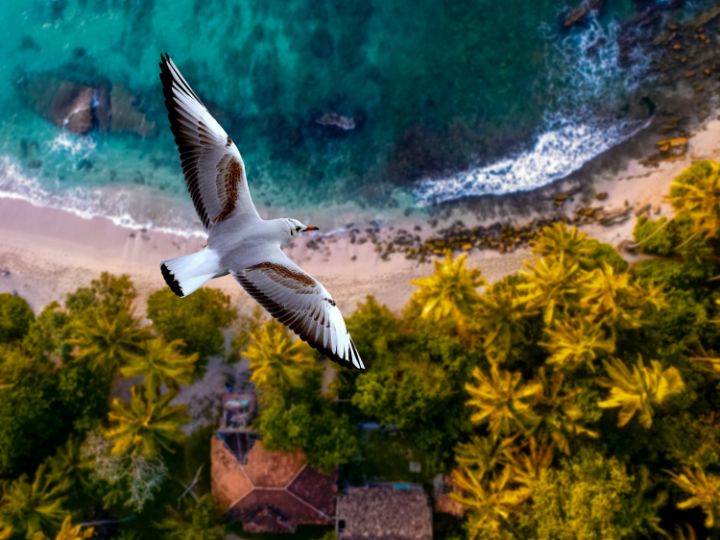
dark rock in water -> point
(322, 44)
(82, 108)
(34, 164)
(57, 9)
(335, 120)
(578, 14)
(27, 43)
(64, 103)
(77, 114)
(125, 115)
(78, 53)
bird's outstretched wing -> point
(302, 304)
(213, 168)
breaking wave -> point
(573, 133)
(123, 206)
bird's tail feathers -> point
(188, 273)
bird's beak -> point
(310, 228)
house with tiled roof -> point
(267, 491)
(394, 511)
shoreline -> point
(46, 253)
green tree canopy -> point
(198, 520)
(31, 411)
(16, 316)
(31, 507)
(198, 320)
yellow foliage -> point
(499, 315)
(450, 292)
(574, 342)
(276, 359)
(704, 491)
(550, 282)
(637, 390)
(487, 502)
(561, 417)
(559, 238)
(147, 425)
(696, 193)
(609, 296)
(503, 401)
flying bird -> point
(240, 242)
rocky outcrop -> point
(125, 115)
(82, 108)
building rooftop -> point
(270, 491)
(386, 512)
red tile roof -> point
(272, 491)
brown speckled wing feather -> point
(302, 304)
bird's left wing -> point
(213, 168)
(301, 303)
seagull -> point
(240, 242)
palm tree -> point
(696, 193)
(503, 401)
(575, 342)
(68, 531)
(488, 502)
(107, 339)
(529, 463)
(550, 283)
(29, 508)
(559, 238)
(637, 390)
(147, 425)
(499, 317)
(276, 360)
(450, 292)
(162, 361)
(561, 415)
(704, 491)
(198, 521)
(610, 297)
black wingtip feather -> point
(276, 311)
(171, 281)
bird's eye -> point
(297, 229)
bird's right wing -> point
(301, 303)
(212, 165)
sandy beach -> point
(46, 253)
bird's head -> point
(296, 227)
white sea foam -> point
(555, 154)
(65, 142)
(571, 135)
(122, 206)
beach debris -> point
(335, 120)
(603, 195)
(561, 197)
(678, 145)
(643, 210)
(578, 14)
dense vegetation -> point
(576, 399)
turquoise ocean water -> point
(446, 99)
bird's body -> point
(240, 242)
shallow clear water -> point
(485, 96)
